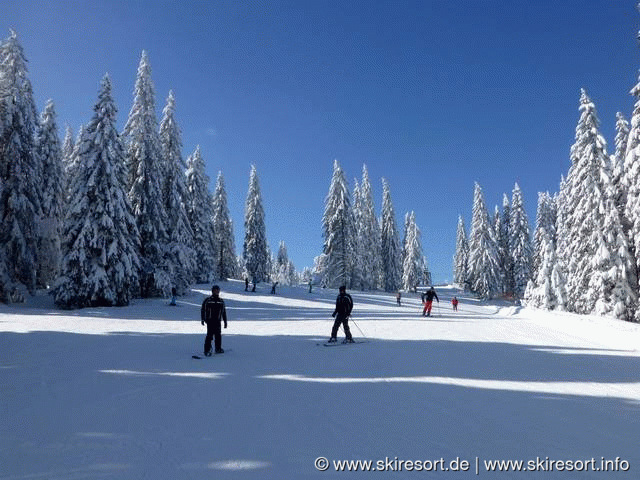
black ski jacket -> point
(344, 305)
(428, 296)
(213, 310)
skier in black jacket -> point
(344, 305)
(427, 299)
(212, 313)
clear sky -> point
(432, 95)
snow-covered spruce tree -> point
(368, 233)
(284, 271)
(180, 251)
(338, 223)
(413, 263)
(225, 265)
(483, 252)
(520, 243)
(144, 163)
(631, 185)
(617, 161)
(100, 239)
(51, 196)
(72, 160)
(545, 225)
(592, 246)
(255, 251)
(200, 213)
(391, 250)
(461, 257)
(497, 229)
(20, 169)
(540, 292)
(505, 259)
(357, 272)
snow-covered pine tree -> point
(483, 252)
(612, 284)
(144, 163)
(617, 161)
(461, 257)
(505, 259)
(582, 199)
(368, 233)
(498, 229)
(359, 242)
(100, 240)
(413, 265)
(225, 265)
(284, 271)
(51, 196)
(540, 292)
(631, 185)
(520, 243)
(339, 232)
(200, 213)
(391, 251)
(20, 169)
(72, 160)
(67, 146)
(180, 251)
(255, 251)
(545, 225)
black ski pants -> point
(213, 330)
(344, 321)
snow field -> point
(114, 393)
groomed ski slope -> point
(113, 393)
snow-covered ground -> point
(114, 393)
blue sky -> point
(432, 95)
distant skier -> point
(246, 284)
(310, 285)
(273, 288)
(427, 299)
(344, 305)
(454, 302)
(173, 297)
(212, 313)
(398, 298)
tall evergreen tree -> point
(180, 251)
(359, 242)
(225, 265)
(100, 241)
(20, 168)
(255, 251)
(631, 185)
(144, 162)
(369, 236)
(483, 252)
(391, 250)
(617, 161)
(51, 195)
(505, 259)
(461, 257)
(338, 225)
(545, 225)
(413, 265)
(200, 214)
(582, 197)
(520, 243)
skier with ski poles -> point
(212, 313)
(344, 305)
(427, 299)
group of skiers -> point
(213, 313)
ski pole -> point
(354, 322)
